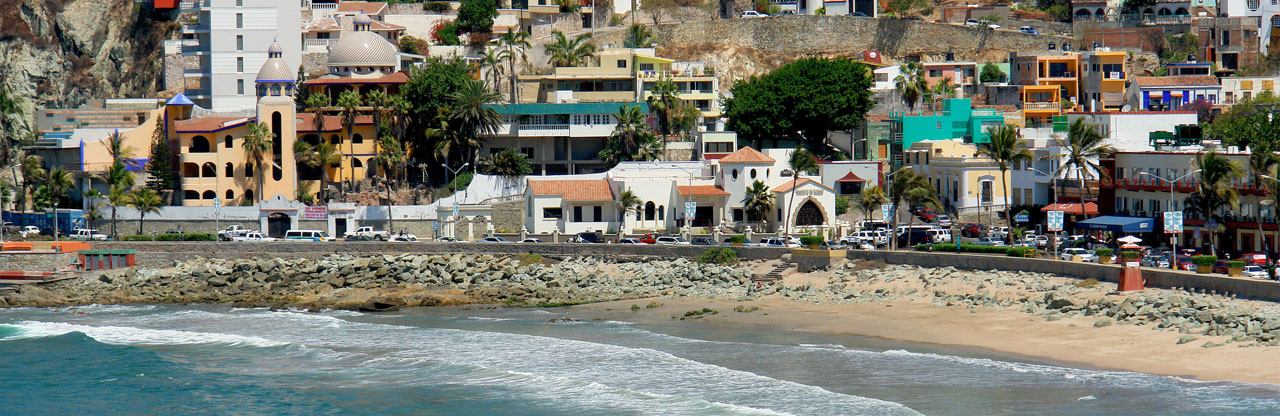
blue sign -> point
(1022, 218)
(1054, 221)
(886, 211)
(690, 209)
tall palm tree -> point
(639, 36)
(117, 195)
(304, 155)
(509, 164)
(399, 108)
(1080, 152)
(872, 198)
(91, 215)
(911, 83)
(473, 117)
(325, 157)
(490, 63)
(1262, 161)
(923, 195)
(1215, 191)
(663, 100)
(627, 202)
(315, 104)
(800, 161)
(390, 157)
(145, 201)
(631, 138)
(1005, 148)
(565, 52)
(378, 100)
(31, 173)
(514, 45)
(904, 180)
(758, 200)
(58, 181)
(941, 89)
(257, 147)
(349, 102)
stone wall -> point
(35, 262)
(508, 216)
(183, 250)
(405, 8)
(315, 64)
(563, 22)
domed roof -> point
(362, 49)
(275, 48)
(275, 70)
(361, 18)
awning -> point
(1073, 208)
(1118, 224)
(850, 177)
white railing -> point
(544, 127)
(318, 44)
(1041, 106)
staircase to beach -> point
(776, 273)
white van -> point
(306, 235)
(939, 235)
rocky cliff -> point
(60, 53)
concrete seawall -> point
(1223, 284)
(234, 250)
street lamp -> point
(454, 173)
(1173, 238)
(893, 225)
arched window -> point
(277, 145)
(248, 196)
(649, 207)
(662, 212)
(248, 170)
(766, 173)
(209, 195)
(230, 195)
(357, 139)
(334, 139)
(638, 215)
(276, 173)
(355, 163)
(226, 141)
(190, 170)
(311, 139)
(190, 195)
(208, 170)
(735, 174)
(229, 171)
(199, 144)
(275, 90)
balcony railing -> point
(1062, 74)
(666, 73)
(1184, 186)
(1042, 106)
(318, 44)
(544, 127)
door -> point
(278, 224)
(339, 227)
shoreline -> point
(1002, 333)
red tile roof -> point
(366, 7)
(851, 178)
(747, 155)
(701, 190)
(394, 78)
(1073, 208)
(574, 189)
(331, 123)
(377, 26)
(786, 187)
(1177, 80)
(208, 124)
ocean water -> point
(153, 360)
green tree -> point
(476, 16)
(902, 182)
(390, 158)
(257, 147)
(31, 174)
(509, 164)
(991, 73)
(119, 178)
(146, 202)
(1215, 192)
(515, 46)
(428, 97)
(473, 117)
(941, 89)
(758, 201)
(410, 44)
(326, 157)
(628, 203)
(911, 83)
(91, 215)
(117, 196)
(564, 52)
(1263, 160)
(871, 199)
(315, 104)
(663, 100)
(801, 100)
(490, 64)
(1079, 153)
(631, 138)
(349, 102)
(304, 155)
(639, 36)
(58, 181)
(378, 100)
(1005, 148)
(801, 160)
(162, 167)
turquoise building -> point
(957, 120)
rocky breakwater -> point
(388, 281)
(1209, 319)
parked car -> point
(1255, 271)
(1086, 256)
(671, 241)
(702, 241)
(1184, 263)
(630, 241)
(1029, 30)
(531, 241)
(878, 238)
(858, 243)
(351, 238)
(944, 220)
(752, 14)
(492, 240)
(872, 225)
(926, 215)
(589, 238)
(252, 237)
(650, 238)
(972, 23)
(941, 235)
(1257, 259)
(780, 242)
(306, 235)
(1154, 261)
(446, 240)
(366, 231)
(972, 230)
(989, 241)
(87, 234)
(232, 231)
(403, 238)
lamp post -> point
(893, 225)
(454, 174)
(1260, 203)
(1173, 238)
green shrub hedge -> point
(1019, 251)
(1103, 252)
(137, 238)
(1131, 255)
(737, 238)
(718, 255)
(810, 240)
(974, 248)
(436, 6)
(1235, 264)
(1204, 260)
(186, 237)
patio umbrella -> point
(1130, 246)
(1129, 239)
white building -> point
(558, 138)
(1267, 12)
(230, 38)
(1131, 131)
(1244, 88)
(850, 177)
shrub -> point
(437, 7)
(1103, 252)
(527, 259)
(635, 307)
(1235, 264)
(1204, 260)
(1087, 283)
(137, 238)
(1130, 255)
(738, 238)
(811, 240)
(922, 247)
(186, 237)
(653, 304)
(974, 248)
(950, 247)
(718, 255)
(1018, 251)
(744, 309)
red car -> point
(650, 238)
(972, 230)
(1184, 263)
(1256, 259)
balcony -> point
(200, 158)
(318, 45)
(542, 130)
(1041, 106)
(666, 73)
(1062, 74)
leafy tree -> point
(631, 138)
(476, 16)
(31, 173)
(508, 164)
(162, 167)
(304, 155)
(902, 182)
(391, 158)
(472, 117)
(911, 83)
(1263, 160)
(872, 198)
(145, 201)
(1215, 192)
(410, 44)
(1080, 151)
(349, 103)
(991, 73)
(800, 161)
(1204, 110)
(428, 99)
(628, 203)
(1180, 47)
(445, 33)
(257, 147)
(663, 100)
(942, 89)
(1006, 149)
(117, 196)
(563, 52)
(804, 99)
(758, 201)
(57, 182)
(490, 63)
(842, 205)
(639, 36)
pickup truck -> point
(231, 232)
(366, 231)
(252, 236)
(87, 234)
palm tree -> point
(349, 102)
(800, 161)
(904, 180)
(315, 104)
(564, 52)
(325, 157)
(509, 164)
(628, 202)
(58, 181)
(639, 36)
(631, 125)
(257, 146)
(1080, 152)
(117, 195)
(304, 154)
(663, 100)
(390, 157)
(378, 100)
(473, 117)
(1005, 148)
(923, 195)
(942, 89)
(31, 172)
(758, 201)
(911, 83)
(491, 67)
(1262, 161)
(1215, 191)
(145, 201)
(92, 216)
(514, 44)
(872, 198)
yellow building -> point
(966, 184)
(1103, 81)
(1040, 103)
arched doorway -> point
(809, 214)
(277, 224)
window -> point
(357, 139)
(753, 174)
(646, 67)
(577, 214)
(239, 64)
(248, 170)
(239, 20)
(230, 195)
(238, 4)
(355, 163)
(987, 197)
(229, 171)
(239, 42)
(662, 209)
(597, 213)
(735, 174)
(934, 73)
(226, 141)
(1226, 38)
(622, 63)
(239, 86)
(553, 213)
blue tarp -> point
(1118, 224)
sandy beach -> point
(1070, 341)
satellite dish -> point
(1126, 108)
